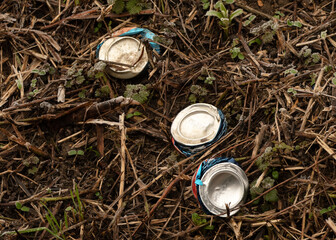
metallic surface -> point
(196, 124)
(125, 50)
(224, 184)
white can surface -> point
(197, 124)
(225, 186)
(127, 55)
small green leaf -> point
(334, 81)
(129, 115)
(241, 56)
(297, 24)
(137, 113)
(18, 205)
(80, 152)
(324, 34)
(291, 71)
(137, 92)
(25, 209)
(42, 72)
(99, 75)
(18, 84)
(229, 1)
(329, 209)
(280, 13)
(328, 68)
(33, 82)
(52, 70)
(192, 98)
(82, 94)
(133, 7)
(32, 170)
(315, 57)
(275, 175)
(222, 8)
(209, 227)
(214, 14)
(267, 183)
(80, 79)
(257, 41)
(68, 209)
(236, 14)
(119, 6)
(197, 220)
(272, 196)
(97, 93)
(206, 5)
(72, 152)
(105, 89)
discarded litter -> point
(197, 127)
(126, 56)
(220, 186)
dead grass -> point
(131, 181)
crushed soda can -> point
(127, 55)
(197, 127)
(220, 186)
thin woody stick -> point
(123, 158)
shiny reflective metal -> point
(127, 55)
(196, 124)
(224, 184)
(197, 127)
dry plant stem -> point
(32, 198)
(289, 179)
(171, 215)
(250, 54)
(25, 144)
(311, 101)
(258, 140)
(252, 10)
(122, 172)
(331, 224)
(319, 28)
(236, 228)
(89, 110)
(179, 177)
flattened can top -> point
(124, 50)
(219, 184)
(197, 124)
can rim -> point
(110, 43)
(194, 108)
(229, 168)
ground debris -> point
(79, 159)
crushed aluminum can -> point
(220, 186)
(128, 56)
(197, 127)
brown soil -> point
(80, 161)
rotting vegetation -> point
(80, 160)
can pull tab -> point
(198, 180)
